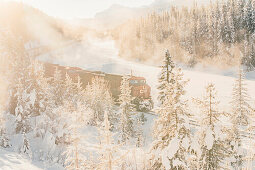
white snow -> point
(195, 146)
(173, 147)
(169, 152)
(165, 160)
(14, 161)
(177, 163)
(185, 143)
(209, 139)
(33, 97)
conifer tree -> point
(69, 88)
(241, 117)
(108, 151)
(250, 139)
(25, 147)
(240, 101)
(250, 61)
(139, 131)
(22, 122)
(213, 150)
(57, 88)
(4, 138)
(171, 146)
(165, 76)
(33, 110)
(126, 108)
(99, 98)
(75, 150)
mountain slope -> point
(118, 14)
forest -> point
(46, 119)
(194, 35)
(57, 122)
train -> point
(140, 90)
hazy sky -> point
(79, 8)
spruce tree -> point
(139, 131)
(57, 88)
(4, 138)
(250, 148)
(241, 117)
(109, 152)
(126, 108)
(166, 76)
(213, 149)
(25, 147)
(240, 101)
(33, 111)
(171, 147)
(75, 149)
(99, 99)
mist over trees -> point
(197, 34)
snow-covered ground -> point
(13, 161)
(103, 56)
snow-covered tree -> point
(250, 144)
(31, 96)
(241, 118)
(170, 149)
(14, 64)
(4, 139)
(126, 108)
(213, 149)
(68, 115)
(69, 87)
(99, 98)
(240, 101)
(166, 76)
(25, 147)
(75, 149)
(22, 118)
(57, 88)
(32, 112)
(108, 151)
(139, 130)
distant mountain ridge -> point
(113, 16)
(118, 14)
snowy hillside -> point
(97, 55)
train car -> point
(140, 90)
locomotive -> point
(140, 90)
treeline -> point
(197, 34)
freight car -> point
(140, 90)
